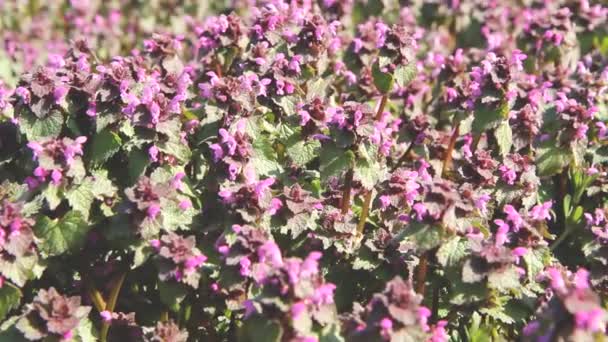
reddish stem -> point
(348, 184)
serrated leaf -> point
(488, 116)
(177, 149)
(452, 252)
(504, 280)
(303, 152)
(105, 144)
(382, 80)
(551, 160)
(22, 269)
(61, 235)
(10, 297)
(504, 138)
(334, 161)
(39, 128)
(257, 329)
(264, 158)
(81, 197)
(317, 88)
(405, 74)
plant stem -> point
(421, 274)
(96, 298)
(367, 200)
(112, 304)
(447, 158)
(383, 101)
(348, 184)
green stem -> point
(560, 239)
(367, 200)
(112, 304)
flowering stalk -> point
(447, 158)
(367, 199)
(112, 304)
(348, 184)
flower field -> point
(303, 170)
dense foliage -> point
(327, 170)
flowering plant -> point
(273, 170)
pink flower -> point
(592, 320)
(176, 182)
(56, 177)
(245, 264)
(153, 153)
(153, 211)
(297, 309)
(581, 279)
(155, 243)
(540, 212)
(481, 203)
(185, 204)
(507, 174)
(557, 281)
(423, 317)
(420, 210)
(514, 217)
(106, 316)
(275, 205)
(270, 252)
(194, 262)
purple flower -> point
(153, 211)
(270, 252)
(513, 216)
(245, 264)
(275, 205)
(56, 177)
(420, 210)
(297, 309)
(481, 203)
(540, 212)
(507, 174)
(106, 316)
(153, 153)
(324, 294)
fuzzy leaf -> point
(10, 297)
(504, 138)
(105, 144)
(61, 235)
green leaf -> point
(504, 280)
(138, 161)
(61, 235)
(22, 269)
(504, 137)
(172, 294)
(452, 252)
(489, 115)
(105, 144)
(177, 149)
(551, 160)
(36, 129)
(81, 197)
(303, 152)
(382, 80)
(334, 161)
(10, 297)
(404, 74)
(264, 158)
(317, 88)
(258, 329)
